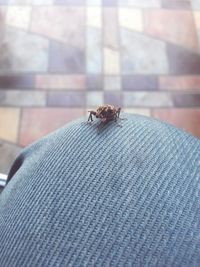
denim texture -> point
(126, 196)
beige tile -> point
(110, 29)
(197, 18)
(111, 61)
(9, 121)
(144, 112)
(94, 17)
(18, 17)
(131, 18)
(60, 81)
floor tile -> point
(66, 24)
(111, 61)
(158, 24)
(20, 98)
(66, 59)
(66, 99)
(4, 2)
(187, 119)
(60, 82)
(109, 2)
(195, 4)
(31, 2)
(19, 16)
(112, 83)
(139, 82)
(23, 52)
(131, 19)
(94, 2)
(137, 59)
(17, 82)
(179, 82)
(113, 98)
(94, 82)
(94, 17)
(94, 99)
(50, 119)
(197, 19)
(138, 111)
(94, 50)
(182, 61)
(186, 100)
(69, 2)
(10, 153)
(110, 29)
(176, 4)
(144, 99)
(141, 3)
(9, 123)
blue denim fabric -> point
(126, 196)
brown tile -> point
(60, 81)
(66, 59)
(9, 152)
(187, 119)
(176, 4)
(166, 25)
(38, 122)
(182, 61)
(9, 122)
(66, 99)
(179, 82)
(139, 82)
(17, 82)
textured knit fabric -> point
(123, 196)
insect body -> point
(105, 113)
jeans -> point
(109, 196)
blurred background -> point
(60, 58)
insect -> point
(105, 113)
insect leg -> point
(90, 117)
(118, 112)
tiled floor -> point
(59, 58)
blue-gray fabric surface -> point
(126, 196)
